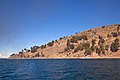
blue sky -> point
(25, 23)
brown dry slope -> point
(103, 42)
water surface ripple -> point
(59, 69)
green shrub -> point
(103, 27)
(21, 52)
(28, 50)
(93, 42)
(101, 46)
(93, 48)
(33, 49)
(85, 45)
(71, 46)
(60, 38)
(68, 42)
(73, 39)
(37, 55)
(12, 54)
(79, 37)
(96, 47)
(100, 37)
(115, 45)
(25, 49)
(101, 41)
(107, 47)
(116, 40)
(115, 34)
(87, 51)
(80, 47)
(84, 37)
(89, 30)
(76, 32)
(50, 44)
(103, 51)
(98, 50)
(77, 49)
(56, 41)
(42, 55)
(43, 46)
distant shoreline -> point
(70, 58)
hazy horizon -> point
(26, 23)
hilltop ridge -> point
(97, 42)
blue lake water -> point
(59, 69)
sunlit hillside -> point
(96, 42)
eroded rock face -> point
(96, 42)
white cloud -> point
(1, 56)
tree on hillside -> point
(37, 55)
(98, 50)
(114, 46)
(114, 34)
(56, 41)
(85, 45)
(73, 39)
(77, 49)
(43, 46)
(93, 48)
(22, 50)
(103, 27)
(12, 54)
(103, 51)
(50, 44)
(107, 47)
(101, 41)
(69, 46)
(33, 49)
(25, 49)
(100, 37)
(87, 51)
(84, 37)
(93, 42)
(28, 50)
(68, 42)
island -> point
(101, 42)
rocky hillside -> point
(97, 42)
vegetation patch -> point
(114, 46)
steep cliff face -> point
(97, 42)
